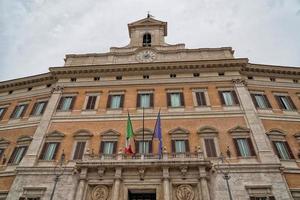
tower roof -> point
(147, 22)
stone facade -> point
(218, 117)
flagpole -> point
(143, 151)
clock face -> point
(146, 56)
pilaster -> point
(117, 182)
(32, 154)
(166, 183)
(263, 146)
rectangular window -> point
(2, 112)
(228, 98)
(17, 155)
(283, 150)
(145, 100)
(200, 96)
(19, 111)
(49, 151)
(79, 150)
(244, 147)
(180, 146)
(39, 108)
(91, 102)
(285, 102)
(260, 101)
(210, 147)
(66, 103)
(108, 147)
(115, 101)
(144, 147)
(175, 99)
(1, 152)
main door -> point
(141, 195)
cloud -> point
(36, 34)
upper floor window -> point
(143, 147)
(209, 138)
(91, 102)
(200, 98)
(179, 140)
(175, 99)
(145, 100)
(2, 112)
(108, 147)
(147, 40)
(228, 98)
(180, 146)
(285, 102)
(19, 111)
(66, 103)
(261, 101)
(79, 150)
(39, 108)
(49, 151)
(109, 143)
(17, 155)
(115, 101)
(81, 138)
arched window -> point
(147, 40)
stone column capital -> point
(57, 89)
(239, 82)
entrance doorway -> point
(141, 195)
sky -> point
(36, 34)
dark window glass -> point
(147, 40)
(49, 151)
(285, 102)
(91, 102)
(201, 101)
(2, 112)
(115, 101)
(17, 155)
(66, 103)
(19, 111)
(282, 149)
(39, 108)
(79, 150)
(260, 101)
(228, 98)
(210, 147)
(108, 147)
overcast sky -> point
(36, 34)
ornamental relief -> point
(100, 192)
(185, 192)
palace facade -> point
(229, 127)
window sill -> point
(14, 120)
(290, 112)
(63, 112)
(289, 163)
(264, 110)
(146, 110)
(46, 162)
(35, 117)
(233, 107)
(176, 109)
(202, 108)
(89, 112)
(114, 110)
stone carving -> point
(57, 89)
(183, 170)
(101, 171)
(142, 173)
(100, 192)
(185, 192)
(239, 82)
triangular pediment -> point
(4, 141)
(179, 130)
(297, 135)
(110, 132)
(239, 129)
(82, 133)
(24, 138)
(147, 22)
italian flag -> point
(129, 149)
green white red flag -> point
(130, 144)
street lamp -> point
(59, 170)
(225, 173)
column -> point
(166, 183)
(81, 184)
(117, 182)
(32, 153)
(265, 153)
(203, 184)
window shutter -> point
(60, 103)
(81, 152)
(137, 146)
(250, 144)
(281, 106)
(101, 147)
(267, 101)
(44, 108)
(289, 150)
(221, 98)
(94, 102)
(72, 103)
(151, 100)
(210, 147)
(254, 100)
(291, 103)
(202, 95)
(115, 147)
(150, 146)
(238, 153)
(55, 151)
(187, 146)
(275, 149)
(24, 152)
(3, 113)
(33, 109)
(43, 151)
(271, 198)
(173, 146)
(89, 103)
(169, 99)
(181, 99)
(13, 155)
(138, 100)
(235, 98)
(24, 110)
(122, 101)
(200, 99)
(108, 101)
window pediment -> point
(276, 134)
(207, 130)
(4, 142)
(82, 134)
(239, 129)
(110, 135)
(25, 139)
(55, 135)
(148, 134)
(179, 133)
(297, 136)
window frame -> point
(181, 98)
(21, 115)
(266, 101)
(151, 98)
(179, 134)
(281, 104)
(110, 97)
(207, 132)
(149, 42)
(45, 149)
(96, 101)
(61, 102)
(33, 110)
(4, 108)
(233, 96)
